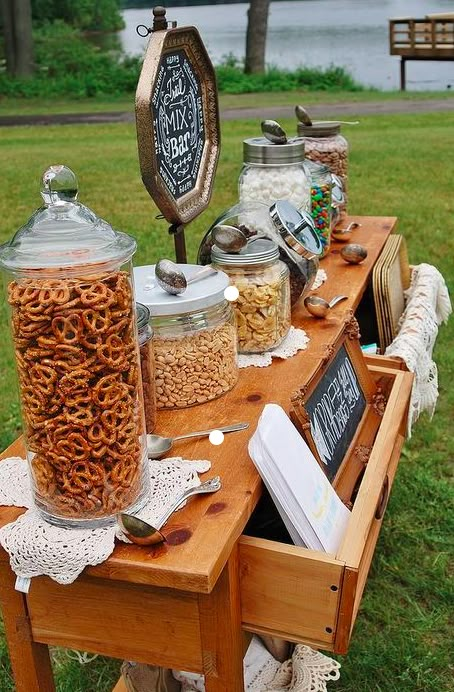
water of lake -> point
(351, 33)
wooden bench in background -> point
(431, 38)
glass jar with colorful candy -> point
(321, 184)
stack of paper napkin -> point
(314, 515)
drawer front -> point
(289, 592)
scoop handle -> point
(201, 274)
(210, 486)
(227, 428)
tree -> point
(17, 32)
(256, 36)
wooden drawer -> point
(312, 597)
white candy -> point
(269, 183)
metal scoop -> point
(304, 117)
(141, 532)
(319, 307)
(171, 279)
(158, 445)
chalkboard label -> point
(179, 130)
(335, 409)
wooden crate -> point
(311, 597)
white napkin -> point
(310, 508)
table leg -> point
(30, 661)
(221, 635)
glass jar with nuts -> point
(262, 308)
(324, 144)
(194, 338)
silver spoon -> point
(141, 532)
(319, 307)
(273, 132)
(303, 116)
(229, 238)
(158, 446)
(172, 280)
(344, 234)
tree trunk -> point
(256, 36)
(17, 32)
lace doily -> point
(320, 278)
(427, 306)
(296, 340)
(306, 671)
(37, 548)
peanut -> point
(195, 368)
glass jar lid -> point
(199, 295)
(257, 251)
(296, 228)
(260, 151)
(319, 128)
(64, 235)
(143, 316)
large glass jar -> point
(68, 275)
(194, 338)
(292, 230)
(262, 308)
(274, 171)
(321, 185)
(324, 144)
(147, 366)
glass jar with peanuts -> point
(70, 293)
(194, 338)
(262, 308)
(147, 366)
(325, 144)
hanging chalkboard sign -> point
(177, 117)
(332, 406)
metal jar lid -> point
(260, 151)
(198, 295)
(319, 128)
(260, 251)
(296, 228)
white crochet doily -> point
(296, 340)
(38, 548)
(427, 306)
(306, 671)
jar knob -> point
(59, 184)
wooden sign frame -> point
(349, 341)
(164, 42)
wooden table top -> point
(202, 535)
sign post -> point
(177, 119)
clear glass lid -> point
(64, 234)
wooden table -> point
(178, 605)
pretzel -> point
(78, 372)
(67, 329)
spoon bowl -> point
(273, 132)
(319, 307)
(229, 238)
(344, 234)
(353, 253)
(142, 533)
(158, 445)
(172, 280)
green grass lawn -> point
(400, 165)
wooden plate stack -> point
(390, 278)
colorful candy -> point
(321, 213)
